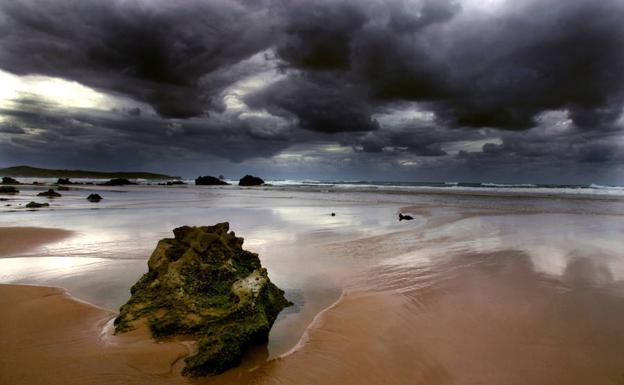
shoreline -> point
(471, 292)
(101, 327)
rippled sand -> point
(481, 290)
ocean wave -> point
(458, 187)
(528, 185)
(603, 187)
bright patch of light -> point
(315, 153)
(483, 5)
(234, 95)
(335, 148)
(55, 92)
(554, 121)
(453, 148)
(409, 163)
(398, 117)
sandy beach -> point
(474, 291)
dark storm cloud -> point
(498, 71)
(337, 65)
(11, 128)
(564, 150)
(153, 51)
(110, 135)
(320, 103)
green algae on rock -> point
(202, 284)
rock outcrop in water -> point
(49, 194)
(210, 181)
(8, 190)
(117, 182)
(204, 285)
(250, 180)
(9, 180)
(35, 205)
(94, 198)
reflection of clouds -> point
(554, 242)
(548, 259)
(19, 269)
(128, 225)
(108, 252)
(585, 271)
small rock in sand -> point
(35, 205)
(94, 198)
(49, 194)
(8, 190)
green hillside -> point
(35, 172)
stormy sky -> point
(424, 90)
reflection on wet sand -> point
(484, 292)
(19, 240)
(486, 319)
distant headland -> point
(36, 172)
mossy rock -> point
(202, 284)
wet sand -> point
(477, 295)
(50, 338)
(493, 320)
(19, 240)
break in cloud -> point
(396, 89)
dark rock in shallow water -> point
(250, 180)
(203, 284)
(8, 190)
(9, 180)
(94, 198)
(50, 194)
(117, 182)
(405, 217)
(64, 181)
(210, 181)
(35, 205)
(63, 188)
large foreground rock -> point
(202, 284)
(210, 181)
